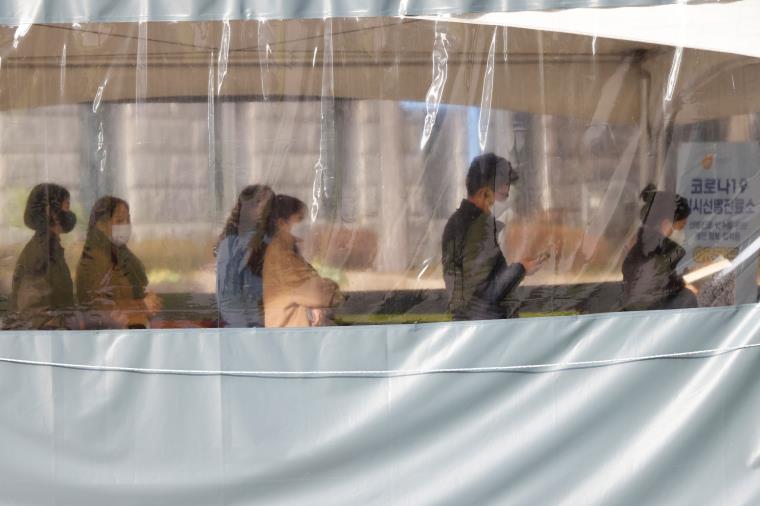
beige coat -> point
(292, 285)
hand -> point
(532, 265)
(320, 317)
(152, 303)
(117, 319)
(338, 299)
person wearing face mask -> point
(650, 278)
(42, 293)
(477, 276)
(295, 295)
(240, 258)
(111, 281)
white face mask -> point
(120, 234)
(299, 230)
(500, 209)
(678, 236)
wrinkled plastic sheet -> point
(643, 408)
(372, 122)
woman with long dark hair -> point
(111, 281)
(650, 279)
(295, 295)
(42, 292)
(240, 258)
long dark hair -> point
(103, 209)
(284, 207)
(44, 204)
(251, 198)
(662, 205)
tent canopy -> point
(702, 26)
(374, 58)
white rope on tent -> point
(392, 373)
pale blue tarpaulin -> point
(14, 12)
(638, 408)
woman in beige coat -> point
(295, 295)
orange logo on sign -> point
(707, 161)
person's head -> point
(110, 215)
(489, 179)
(48, 209)
(663, 210)
(251, 210)
(253, 206)
(287, 213)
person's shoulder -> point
(226, 240)
(674, 251)
(482, 223)
(240, 240)
(92, 253)
(275, 250)
(37, 243)
(461, 216)
(34, 254)
(669, 245)
(278, 241)
(32, 247)
(455, 227)
(452, 221)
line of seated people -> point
(263, 280)
(258, 265)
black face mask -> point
(67, 220)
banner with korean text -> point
(721, 180)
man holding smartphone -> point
(477, 276)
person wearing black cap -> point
(477, 275)
(42, 292)
(650, 278)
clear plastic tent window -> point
(500, 257)
(372, 124)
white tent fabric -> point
(729, 27)
(550, 63)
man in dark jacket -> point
(476, 274)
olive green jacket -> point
(42, 293)
(109, 278)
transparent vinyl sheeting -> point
(303, 172)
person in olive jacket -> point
(111, 281)
(650, 278)
(42, 292)
(476, 274)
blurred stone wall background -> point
(378, 198)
